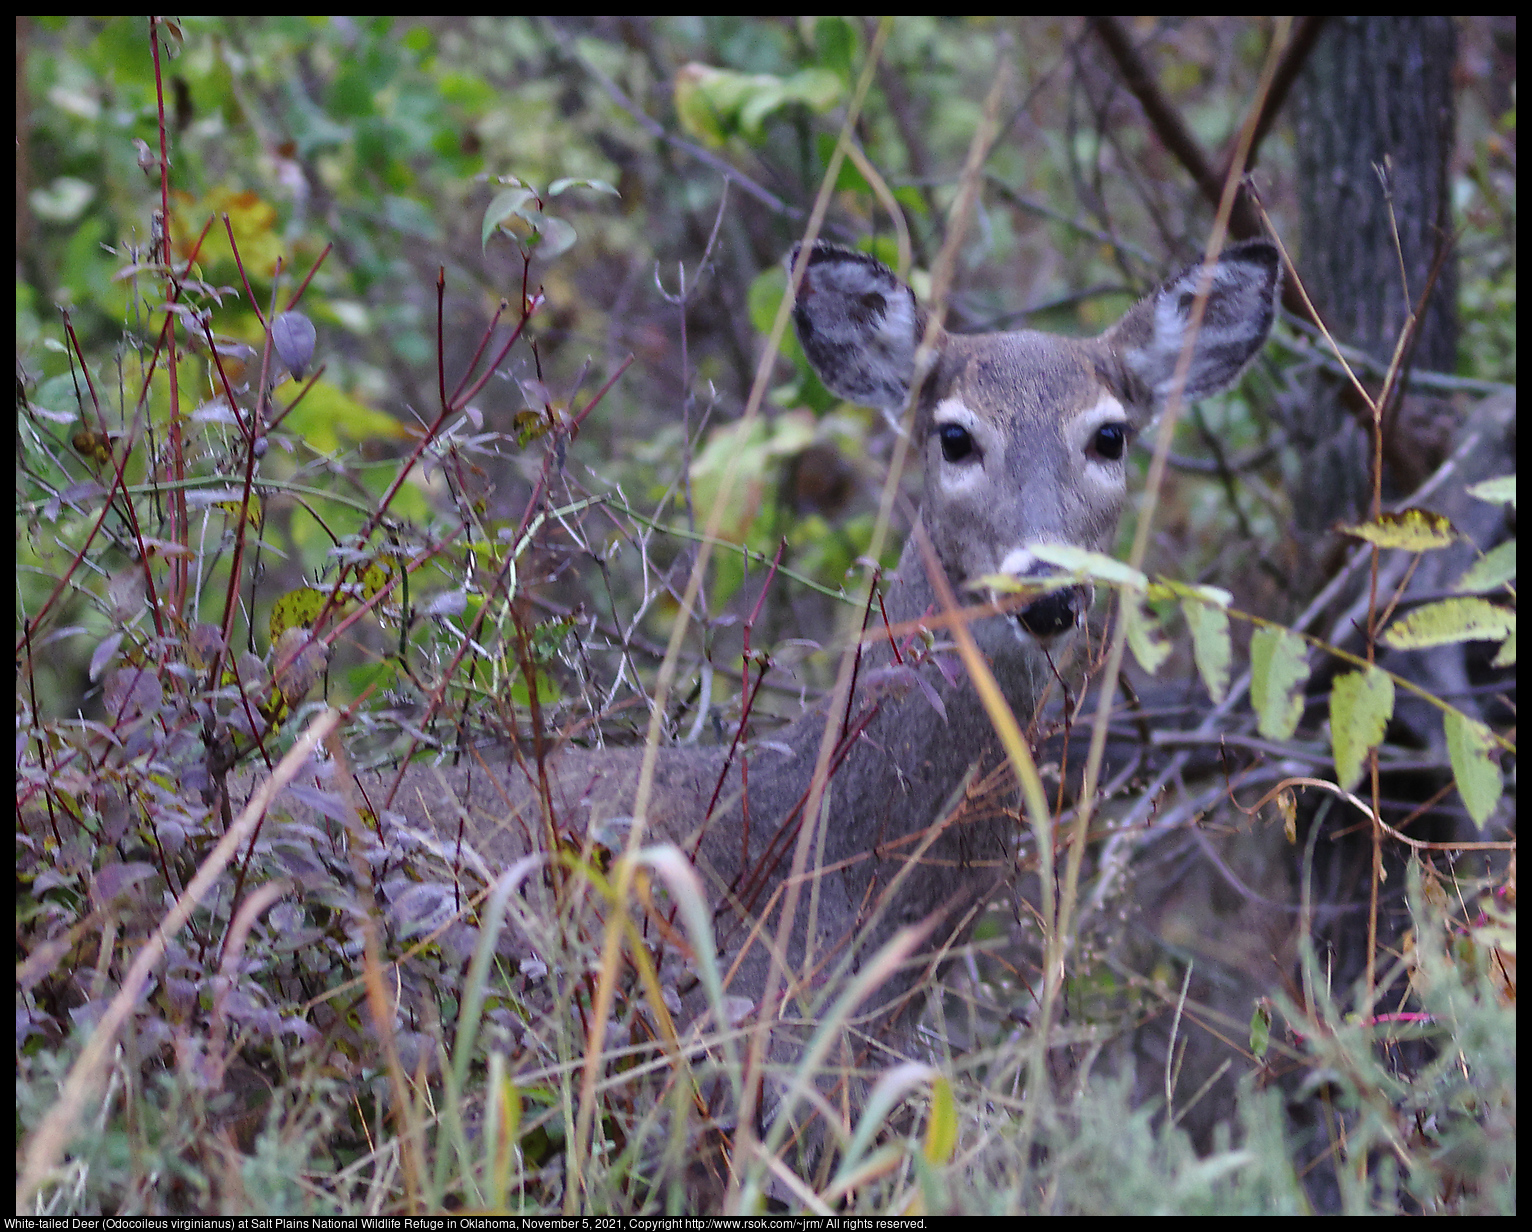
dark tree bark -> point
(1377, 92)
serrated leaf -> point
(942, 1129)
(1506, 655)
(1361, 704)
(1492, 570)
(1451, 620)
(1414, 530)
(1501, 491)
(1094, 565)
(1211, 648)
(1278, 670)
(1471, 748)
(1147, 649)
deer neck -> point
(910, 758)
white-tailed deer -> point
(1024, 438)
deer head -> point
(1024, 434)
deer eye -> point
(1109, 442)
(956, 443)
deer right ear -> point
(1242, 297)
(859, 326)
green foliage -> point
(717, 104)
(1361, 703)
(1278, 669)
(203, 560)
(1208, 624)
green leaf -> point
(1260, 1030)
(1414, 530)
(1149, 651)
(909, 197)
(1096, 566)
(1471, 748)
(1492, 570)
(1012, 584)
(765, 297)
(568, 182)
(1211, 648)
(770, 94)
(1278, 670)
(816, 88)
(1361, 704)
(327, 415)
(715, 104)
(554, 236)
(506, 206)
(1501, 491)
(1451, 620)
(1165, 588)
(754, 450)
(692, 97)
(836, 43)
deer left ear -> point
(859, 326)
(1241, 309)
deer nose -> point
(1051, 614)
(1054, 613)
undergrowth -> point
(337, 1025)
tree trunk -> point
(1377, 93)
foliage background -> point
(384, 137)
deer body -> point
(897, 774)
(1023, 438)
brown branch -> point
(1166, 122)
(1294, 56)
(1168, 125)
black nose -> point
(1054, 613)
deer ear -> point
(859, 326)
(1241, 308)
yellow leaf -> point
(1451, 620)
(1414, 530)
(295, 608)
(941, 1130)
